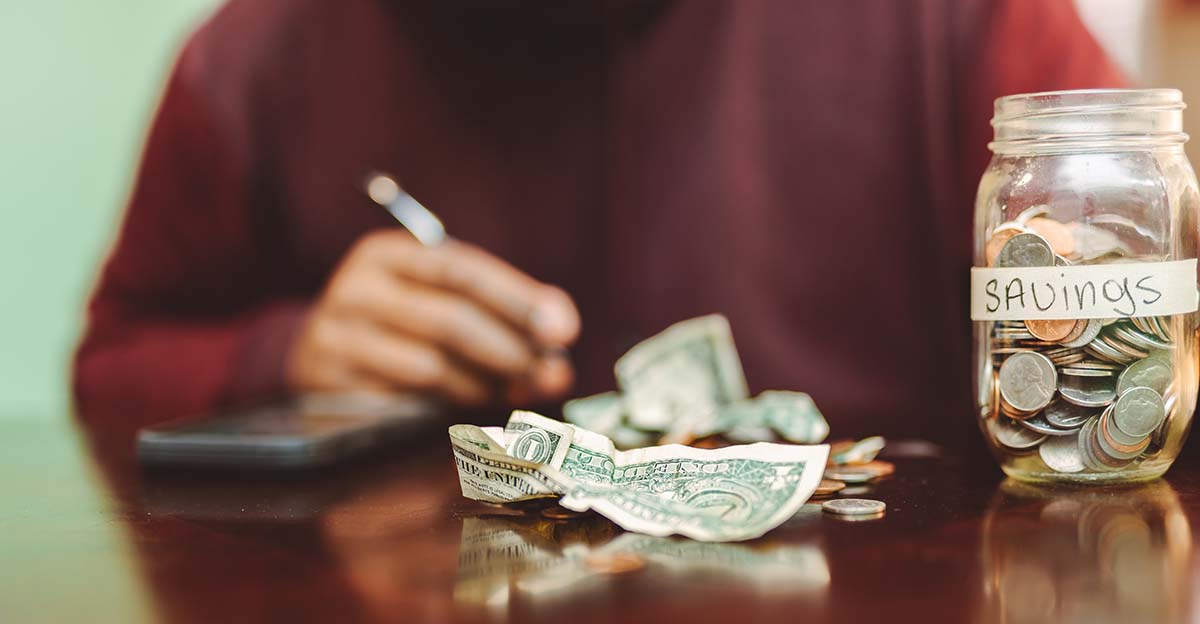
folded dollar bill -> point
(729, 494)
(687, 383)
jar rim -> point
(1019, 105)
(1088, 119)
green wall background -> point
(78, 83)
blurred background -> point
(82, 78)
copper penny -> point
(1053, 330)
(616, 563)
(880, 467)
(999, 237)
(560, 513)
(829, 486)
(1077, 331)
(1060, 237)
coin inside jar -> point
(1138, 412)
(1025, 250)
(1053, 330)
(1028, 380)
(1152, 372)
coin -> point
(1090, 331)
(1152, 373)
(1039, 424)
(1028, 381)
(1052, 330)
(857, 518)
(1025, 250)
(1067, 415)
(853, 506)
(829, 486)
(860, 452)
(880, 467)
(1138, 411)
(1087, 391)
(1144, 341)
(560, 513)
(615, 563)
(850, 474)
(1060, 237)
(1000, 236)
(1061, 454)
(1115, 448)
(1013, 435)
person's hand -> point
(450, 320)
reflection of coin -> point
(616, 563)
(853, 506)
(1052, 330)
(1028, 381)
(560, 513)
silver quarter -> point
(1014, 436)
(1153, 373)
(1087, 391)
(1062, 454)
(1038, 424)
(1066, 415)
(1025, 250)
(853, 506)
(1138, 412)
(1093, 329)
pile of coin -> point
(1086, 394)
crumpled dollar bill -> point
(729, 494)
(687, 383)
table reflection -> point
(505, 556)
(1091, 556)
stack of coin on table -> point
(1084, 394)
(852, 462)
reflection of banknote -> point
(543, 560)
(729, 494)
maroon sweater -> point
(806, 168)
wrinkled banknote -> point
(683, 373)
(687, 383)
(729, 494)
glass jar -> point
(1084, 287)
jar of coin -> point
(1083, 293)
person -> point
(606, 169)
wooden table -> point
(85, 536)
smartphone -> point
(312, 431)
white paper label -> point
(1084, 291)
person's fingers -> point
(552, 375)
(408, 364)
(468, 330)
(545, 312)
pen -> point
(416, 218)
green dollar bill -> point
(682, 374)
(729, 494)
